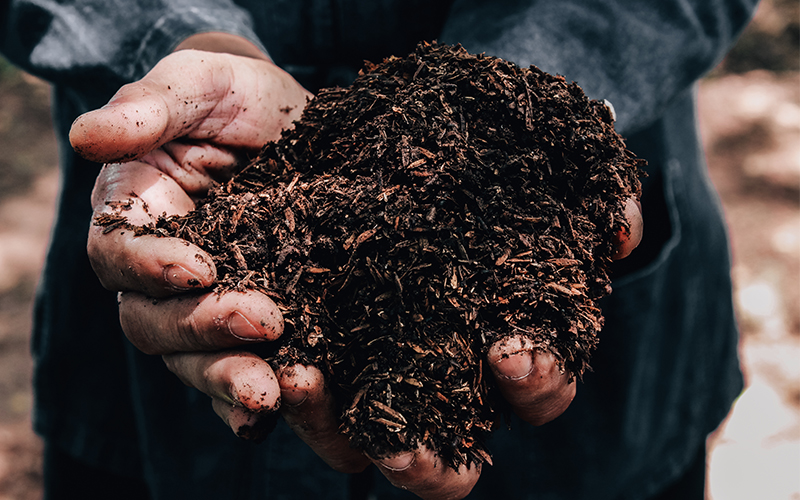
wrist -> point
(223, 43)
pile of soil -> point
(442, 202)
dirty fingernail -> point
(241, 328)
(398, 463)
(515, 366)
(181, 278)
(293, 397)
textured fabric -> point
(639, 55)
(666, 370)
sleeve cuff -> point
(173, 28)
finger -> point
(236, 101)
(186, 323)
(423, 473)
(240, 379)
(628, 239)
(242, 386)
(307, 407)
(195, 167)
(530, 380)
(153, 265)
(139, 191)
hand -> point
(187, 125)
(530, 380)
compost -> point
(440, 203)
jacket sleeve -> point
(82, 43)
(637, 54)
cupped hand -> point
(188, 124)
(531, 381)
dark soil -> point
(442, 202)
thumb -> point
(173, 99)
(131, 125)
(227, 99)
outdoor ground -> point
(750, 121)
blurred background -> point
(750, 122)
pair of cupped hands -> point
(164, 140)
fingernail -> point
(515, 366)
(242, 329)
(611, 109)
(399, 462)
(293, 397)
(180, 277)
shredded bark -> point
(441, 203)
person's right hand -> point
(165, 140)
(179, 130)
(188, 124)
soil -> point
(441, 203)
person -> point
(156, 101)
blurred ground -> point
(28, 179)
(750, 121)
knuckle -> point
(545, 407)
(190, 333)
(99, 260)
(142, 324)
(142, 341)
